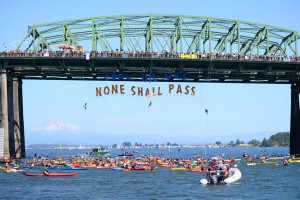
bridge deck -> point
(156, 69)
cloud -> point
(55, 125)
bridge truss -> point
(156, 33)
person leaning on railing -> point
(142, 54)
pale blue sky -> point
(54, 113)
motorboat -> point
(218, 177)
(100, 151)
(127, 154)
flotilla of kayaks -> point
(198, 166)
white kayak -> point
(250, 164)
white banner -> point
(1, 142)
(87, 56)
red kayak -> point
(140, 168)
(52, 174)
(198, 170)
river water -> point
(257, 182)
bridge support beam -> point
(12, 143)
(295, 120)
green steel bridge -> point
(169, 48)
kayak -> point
(75, 168)
(294, 160)
(270, 163)
(146, 167)
(117, 168)
(250, 164)
(167, 166)
(140, 168)
(12, 170)
(198, 170)
(105, 167)
(178, 168)
(52, 174)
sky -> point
(54, 112)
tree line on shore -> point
(277, 140)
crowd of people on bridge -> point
(154, 54)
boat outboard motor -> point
(213, 179)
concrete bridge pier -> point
(18, 124)
(4, 127)
(295, 120)
(12, 143)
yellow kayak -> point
(12, 170)
(178, 168)
(270, 163)
(294, 160)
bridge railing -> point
(160, 55)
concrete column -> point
(11, 120)
(21, 115)
(4, 113)
(295, 120)
(19, 141)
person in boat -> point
(189, 166)
(17, 167)
(7, 167)
(46, 172)
(211, 171)
(232, 162)
(224, 171)
(152, 167)
(285, 162)
(202, 167)
(251, 159)
(244, 155)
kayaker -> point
(152, 167)
(285, 162)
(232, 162)
(202, 168)
(17, 167)
(251, 159)
(46, 171)
(211, 171)
(224, 170)
(7, 167)
(189, 166)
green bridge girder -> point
(180, 33)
